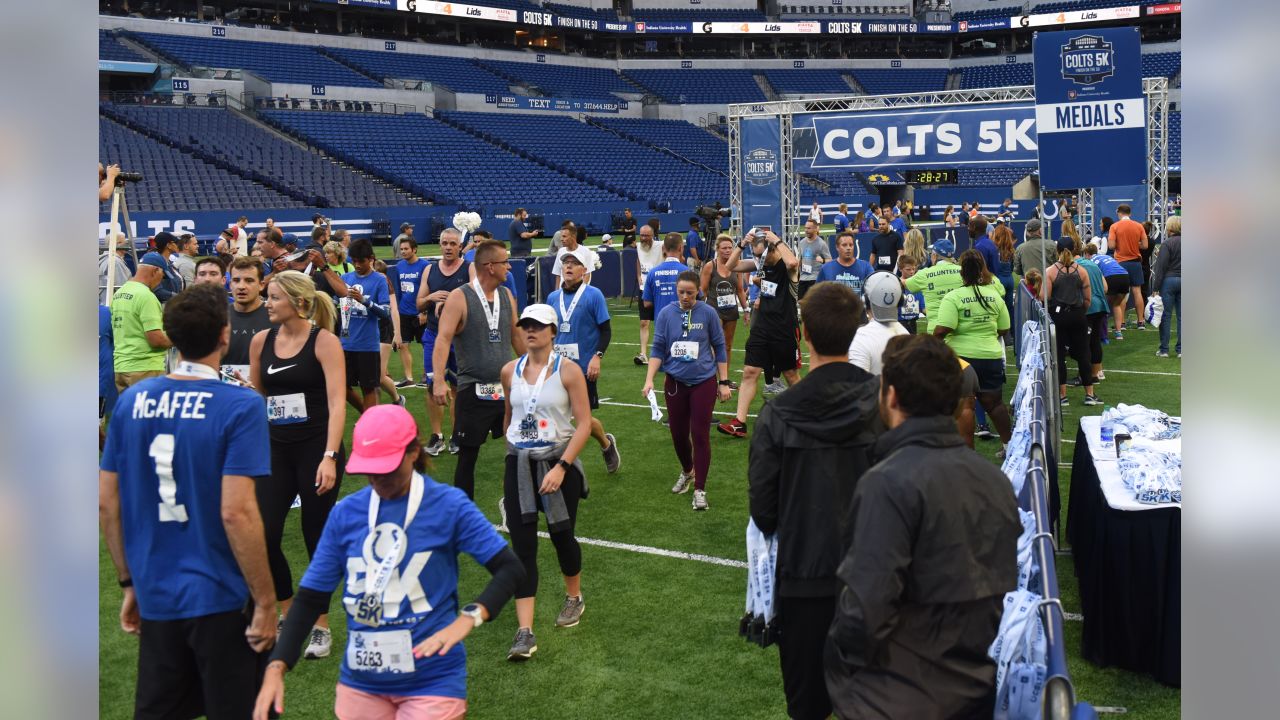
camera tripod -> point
(119, 205)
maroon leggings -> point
(689, 415)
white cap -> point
(883, 293)
(606, 237)
(582, 254)
(540, 313)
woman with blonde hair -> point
(300, 368)
(1069, 229)
(335, 256)
(913, 247)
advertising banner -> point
(1073, 17)
(761, 173)
(972, 136)
(523, 102)
(431, 7)
(1090, 110)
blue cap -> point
(944, 247)
(289, 239)
(154, 259)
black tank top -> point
(725, 286)
(1068, 288)
(303, 375)
(436, 281)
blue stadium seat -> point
(910, 80)
(457, 74)
(1003, 75)
(563, 80)
(808, 82)
(986, 14)
(677, 136)
(277, 62)
(109, 48)
(700, 86)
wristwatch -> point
(726, 382)
(473, 611)
(600, 353)
(566, 465)
(331, 454)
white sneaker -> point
(321, 641)
(683, 484)
(700, 500)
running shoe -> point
(774, 387)
(733, 427)
(983, 432)
(683, 483)
(502, 511)
(571, 611)
(407, 382)
(1119, 335)
(1092, 400)
(399, 400)
(524, 646)
(1102, 375)
(1074, 382)
(1142, 326)
(321, 641)
(640, 359)
(423, 383)
(612, 460)
(435, 445)
(1002, 453)
(453, 447)
(700, 500)
(1162, 353)
(1063, 401)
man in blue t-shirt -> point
(693, 245)
(366, 301)
(983, 244)
(847, 268)
(842, 219)
(898, 223)
(582, 335)
(519, 236)
(660, 284)
(406, 276)
(180, 519)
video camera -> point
(125, 177)
(711, 216)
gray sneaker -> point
(321, 641)
(435, 446)
(700, 500)
(571, 612)
(774, 388)
(453, 447)
(524, 646)
(612, 460)
(683, 483)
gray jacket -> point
(1168, 261)
(1035, 253)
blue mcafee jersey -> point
(171, 442)
(584, 334)
(362, 334)
(660, 285)
(408, 278)
(106, 354)
(422, 593)
(853, 276)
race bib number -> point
(568, 351)
(489, 391)
(726, 301)
(406, 286)
(380, 652)
(287, 409)
(768, 289)
(685, 350)
(806, 269)
(884, 261)
(229, 373)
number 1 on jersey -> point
(162, 452)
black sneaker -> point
(1092, 400)
(640, 359)
(524, 646)
(983, 432)
(434, 446)
(1063, 401)
(612, 460)
(407, 382)
(453, 447)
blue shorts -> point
(1134, 267)
(429, 349)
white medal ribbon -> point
(566, 315)
(491, 311)
(204, 372)
(376, 581)
(535, 390)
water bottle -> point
(1108, 427)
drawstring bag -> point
(1155, 310)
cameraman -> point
(106, 181)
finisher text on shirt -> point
(180, 404)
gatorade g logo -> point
(706, 27)
(401, 585)
(411, 6)
(760, 166)
(1087, 60)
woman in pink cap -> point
(397, 544)
(548, 423)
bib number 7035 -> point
(162, 452)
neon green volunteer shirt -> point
(935, 282)
(973, 322)
(134, 312)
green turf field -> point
(659, 636)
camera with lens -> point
(711, 216)
(128, 177)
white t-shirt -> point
(869, 342)
(241, 247)
(648, 259)
(593, 261)
(1101, 242)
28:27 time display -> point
(933, 177)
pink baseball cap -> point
(379, 439)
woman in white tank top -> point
(548, 423)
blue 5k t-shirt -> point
(408, 278)
(422, 593)
(854, 275)
(660, 285)
(362, 333)
(583, 338)
(171, 442)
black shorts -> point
(476, 419)
(593, 395)
(802, 287)
(386, 333)
(775, 354)
(410, 329)
(178, 659)
(364, 369)
(990, 373)
(1117, 284)
(646, 311)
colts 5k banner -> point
(761, 173)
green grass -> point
(659, 638)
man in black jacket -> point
(935, 534)
(811, 445)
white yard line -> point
(647, 550)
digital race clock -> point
(933, 177)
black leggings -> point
(293, 474)
(464, 473)
(524, 537)
(1097, 333)
(1073, 336)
